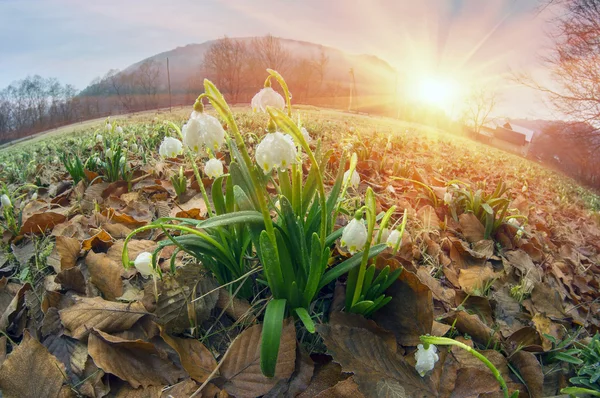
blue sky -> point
(77, 40)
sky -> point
(468, 41)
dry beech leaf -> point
(547, 301)
(100, 241)
(344, 388)
(72, 353)
(325, 376)
(193, 208)
(472, 325)
(65, 253)
(241, 364)
(41, 222)
(531, 371)
(410, 312)
(13, 309)
(135, 361)
(105, 274)
(472, 280)
(107, 316)
(71, 279)
(378, 371)
(31, 371)
(195, 358)
(126, 391)
(471, 227)
(300, 379)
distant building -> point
(506, 135)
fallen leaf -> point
(135, 361)
(41, 222)
(105, 274)
(429, 218)
(545, 326)
(547, 301)
(71, 279)
(13, 312)
(349, 388)
(473, 280)
(65, 253)
(241, 364)
(194, 208)
(72, 353)
(531, 371)
(377, 370)
(471, 227)
(100, 241)
(195, 358)
(410, 312)
(472, 325)
(89, 313)
(325, 376)
(31, 371)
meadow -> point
(127, 272)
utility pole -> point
(169, 80)
(352, 90)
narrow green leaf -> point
(271, 336)
(306, 319)
(270, 261)
(347, 265)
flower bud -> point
(393, 239)
(5, 200)
(354, 180)
(267, 97)
(109, 153)
(447, 198)
(170, 147)
(213, 168)
(354, 236)
(34, 196)
(426, 358)
(143, 263)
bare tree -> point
(319, 65)
(574, 61)
(225, 61)
(478, 106)
(270, 53)
(147, 79)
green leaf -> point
(238, 217)
(270, 261)
(306, 319)
(217, 195)
(315, 270)
(271, 336)
(567, 358)
(361, 307)
(348, 264)
(576, 391)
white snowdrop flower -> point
(393, 238)
(354, 180)
(99, 139)
(524, 189)
(385, 234)
(170, 147)
(213, 168)
(108, 127)
(447, 198)
(520, 232)
(354, 236)
(514, 221)
(125, 143)
(213, 133)
(34, 196)
(119, 129)
(143, 263)
(278, 205)
(134, 147)
(389, 188)
(122, 160)
(267, 97)
(276, 150)
(109, 153)
(192, 135)
(5, 201)
(426, 358)
(305, 134)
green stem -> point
(284, 86)
(481, 357)
(192, 159)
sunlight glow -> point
(437, 91)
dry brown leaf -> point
(547, 301)
(325, 376)
(107, 316)
(92, 385)
(195, 358)
(135, 361)
(65, 253)
(378, 371)
(472, 228)
(41, 222)
(410, 312)
(117, 231)
(531, 371)
(3, 341)
(194, 208)
(100, 241)
(358, 321)
(233, 306)
(31, 371)
(471, 325)
(241, 364)
(343, 389)
(71, 279)
(72, 353)
(126, 391)
(544, 325)
(429, 218)
(12, 313)
(473, 280)
(105, 274)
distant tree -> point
(123, 85)
(302, 78)
(146, 77)
(478, 105)
(270, 53)
(225, 61)
(574, 61)
(319, 65)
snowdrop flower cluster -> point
(276, 151)
(354, 236)
(5, 201)
(143, 263)
(354, 180)
(203, 130)
(170, 147)
(393, 238)
(426, 358)
(267, 97)
(213, 168)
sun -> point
(437, 91)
